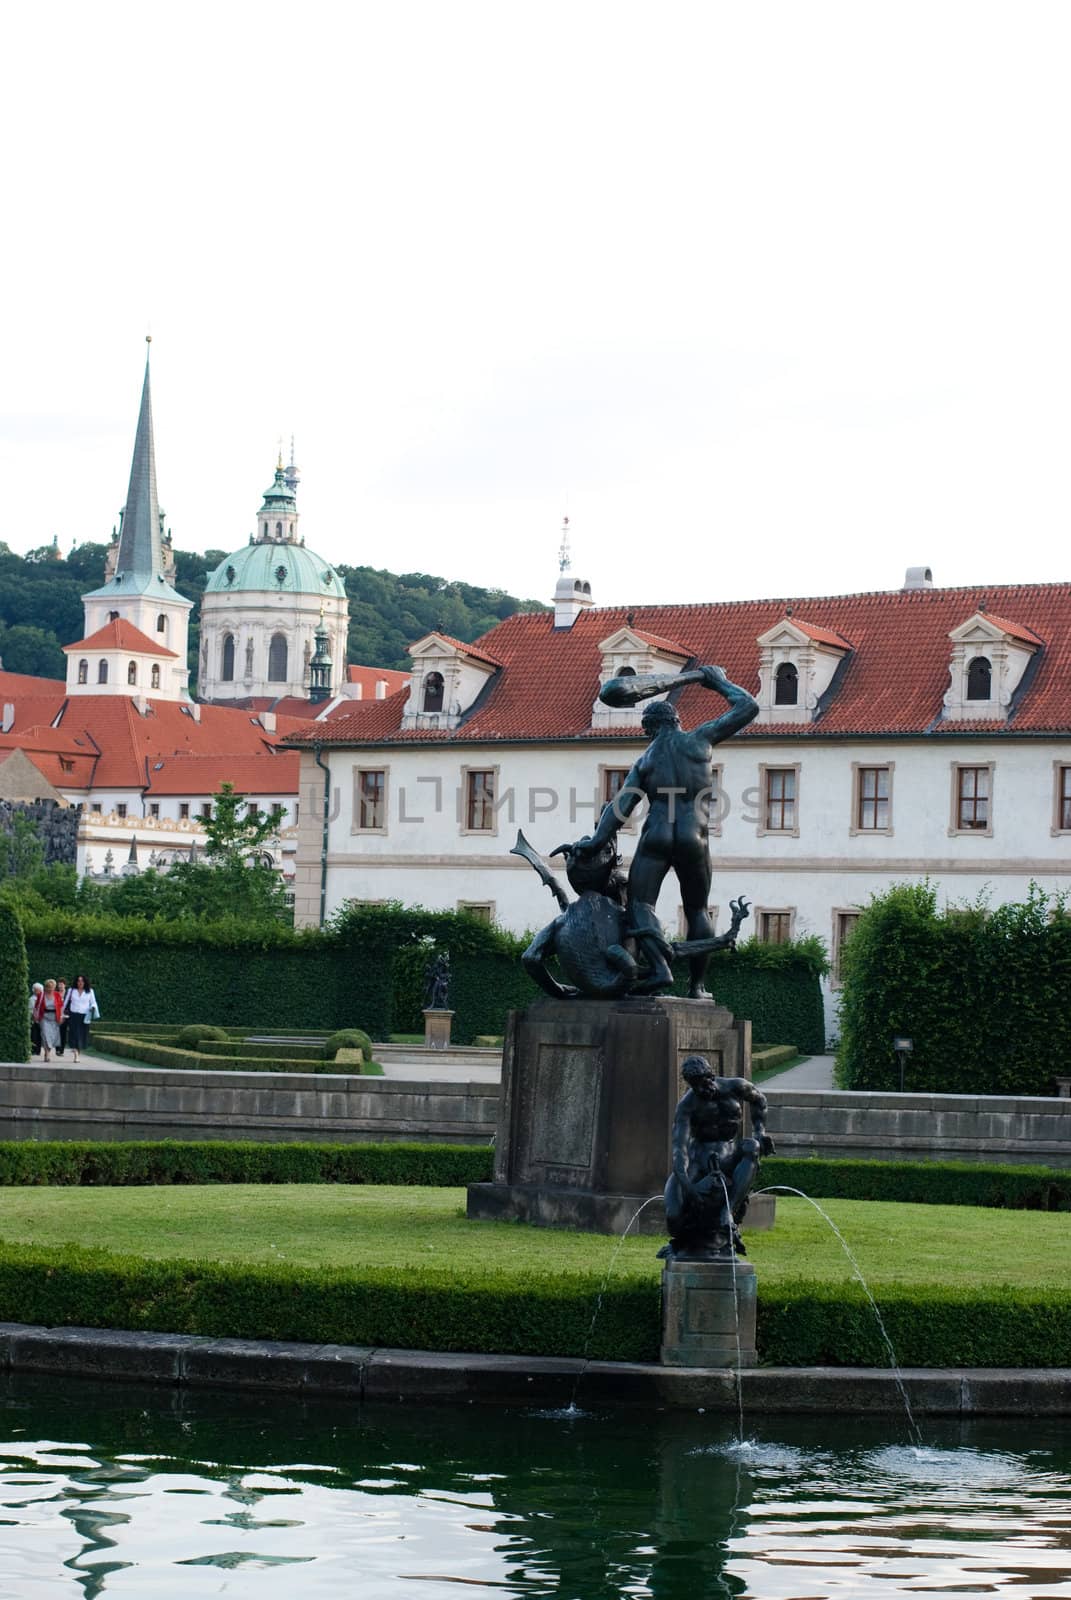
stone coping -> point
(378, 1374)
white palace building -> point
(903, 734)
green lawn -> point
(310, 1224)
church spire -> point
(140, 553)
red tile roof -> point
(820, 635)
(1012, 627)
(114, 744)
(202, 775)
(669, 645)
(468, 649)
(21, 683)
(892, 681)
(120, 635)
(368, 677)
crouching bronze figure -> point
(714, 1169)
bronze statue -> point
(714, 1169)
(675, 775)
(437, 984)
(591, 938)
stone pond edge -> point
(397, 1375)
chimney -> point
(918, 578)
(267, 721)
(571, 597)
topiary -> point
(191, 1035)
(348, 1039)
(14, 988)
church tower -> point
(136, 623)
(265, 607)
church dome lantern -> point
(264, 604)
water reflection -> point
(156, 1494)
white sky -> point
(770, 298)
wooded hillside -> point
(41, 607)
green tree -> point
(21, 851)
(14, 988)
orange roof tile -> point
(120, 635)
(892, 683)
(467, 649)
(1013, 628)
(250, 774)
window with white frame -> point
(780, 800)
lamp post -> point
(903, 1048)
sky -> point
(768, 299)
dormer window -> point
(797, 663)
(448, 677)
(990, 657)
(786, 684)
(979, 678)
(626, 653)
(434, 690)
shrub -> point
(190, 1036)
(347, 1039)
(938, 1183)
(404, 1308)
(91, 1163)
(982, 994)
(150, 1053)
(14, 989)
(370, 962)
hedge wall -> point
(14, 989)
(800, 1324)
(366, 970)
(983, 995)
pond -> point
(122, 1491)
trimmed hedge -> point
(88, 1163)
(25, 1162)
(829, 1325)
(933, 1183)
(982, 993)
(799, 1324)
(366, 968)
(151, 1054)
(401, 1307)
(14, 989)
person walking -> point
(36, 991)
(61, 990)
(49, 1014)
(82, 1009)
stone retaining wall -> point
(920, 1127)
(59, 1102)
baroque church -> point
(265, 608)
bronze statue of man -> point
(714, 1168)
(675, 775)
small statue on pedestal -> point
(437, 983)
(714, 1169)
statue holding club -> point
(675, 775)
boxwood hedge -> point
(799, 1324)
(366, 970)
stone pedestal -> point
(589, 1088)
(437, 1029)
(708, 1314)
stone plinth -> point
(708, 1314)
(589, 1088)
(437, 1029)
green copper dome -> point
(278, 568)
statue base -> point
(708, 1314)
(437, 1029)
(589, 1091)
